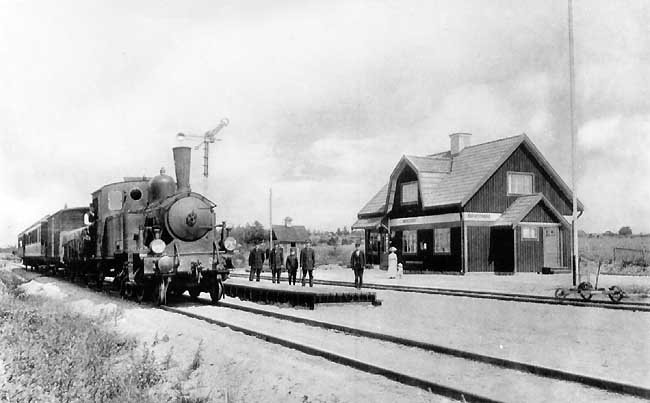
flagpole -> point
(574, 227)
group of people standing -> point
(307, 262)
(277, 263)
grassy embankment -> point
(49, 353)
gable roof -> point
(295, 233)
(447, 180)
(522, 206)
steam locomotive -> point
(142, 237)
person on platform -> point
(358, 262)
(276, 261)
(255, 261)
(307, 263)
(292, 266)
(392, 262)
(400, 270)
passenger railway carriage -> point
(40, 245)
(493, 207)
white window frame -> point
(512, 191)
(410, 242)
(411, 192)
(529, 233)
(439, 233)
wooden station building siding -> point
(493, 207)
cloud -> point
(323, 98)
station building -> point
(493, 207)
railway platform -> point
(296, 295)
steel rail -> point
(536, 299)
(539, 370)
(400, 377)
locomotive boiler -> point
(146, 238)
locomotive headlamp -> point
(157, 246)
(230, 243)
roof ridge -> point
(439, 154)
(496, 141)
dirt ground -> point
(232, 367)
(597, 342)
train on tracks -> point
(143, 237)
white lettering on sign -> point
(430, 219)
(481, 216)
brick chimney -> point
(287, 221)
(459, 141)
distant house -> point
(492, 207)
(289, 235)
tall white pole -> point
(574, 248)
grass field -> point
(602, 248)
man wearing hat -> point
(255, 261)
(276, 261)
(292, 265)
(307, 262)
(358, 262)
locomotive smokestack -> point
(182, 158)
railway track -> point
(535, 299)
(487, 364)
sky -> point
(323, 98)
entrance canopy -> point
(523, 206)
(368, 223)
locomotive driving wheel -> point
(159, 292)
(139, 293)
(216, 292)
(194, 292)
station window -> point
(410, 242)
(442, 241)
(410, 193)
(529, 233)
(520, 183)
(115, 200)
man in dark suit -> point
(358, 262)
(292, 265)
(307, 262)
(255, 261)
(276, 261)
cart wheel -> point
(561, 293)
(584, 289)
(216, 293)
(615, 293)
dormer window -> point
(409, 193)
(520, 183)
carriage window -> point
(442, 240)
(410, 242)
(115, 200)
(87, 219)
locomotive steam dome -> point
(189, 219)
(161, 187)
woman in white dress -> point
(392, 263)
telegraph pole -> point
(270, 218)
(574, 227)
